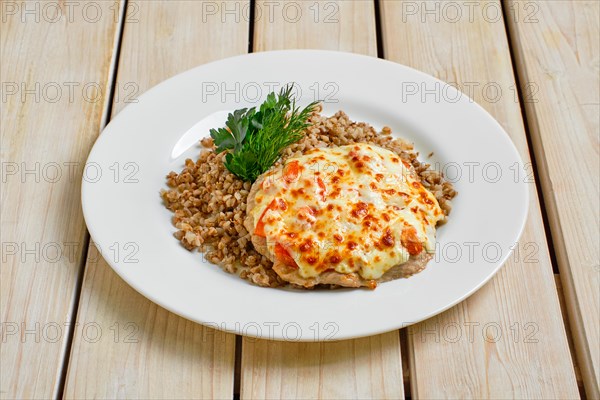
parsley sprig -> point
(255, 139)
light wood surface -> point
(323, 24)
(558, 56)
(444, 364)
(363, 368)
(367, 368)
(124, 346)
(167, 356)
(48, 123)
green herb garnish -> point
(255, 139)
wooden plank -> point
(156, 354)
(55, 67)
(361, 368)
(508, 339)
(557, 49)
(327, 25)
(364, 368)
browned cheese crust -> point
(414, 265)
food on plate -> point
(342, 216)
(299, 221)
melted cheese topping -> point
(356, 208)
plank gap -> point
(378, 29)
(405, 368)
(110, 90)
(60, 388)
(237, 367)
(114, 66)
(564, 315)
(251, 26)
(534, 164)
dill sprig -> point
(255, 139)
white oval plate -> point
(127, 166)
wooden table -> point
(72, 328)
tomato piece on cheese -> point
(322, 187)
(274, 205)
(306, 214)
(410, 241)
(291, 171)
(284, 256)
